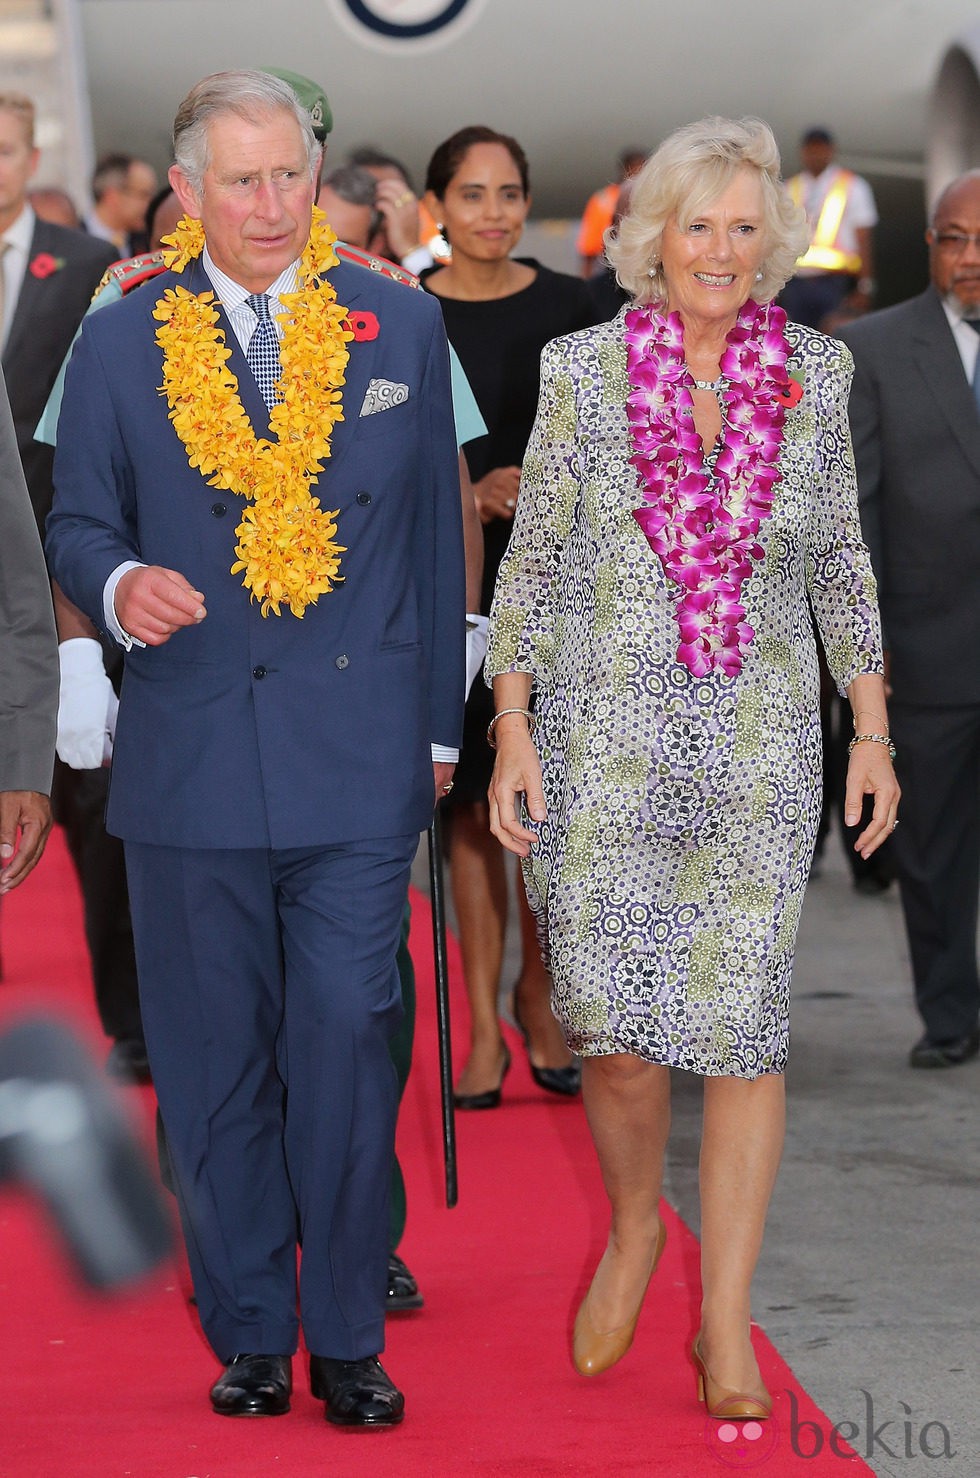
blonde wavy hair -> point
(691, 168)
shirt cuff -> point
(109, 609)
(444, 754)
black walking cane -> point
(442, 1008)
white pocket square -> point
(383, 395)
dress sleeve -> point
(839, 579)
(523, 616)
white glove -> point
(476, 647)
(87, 706)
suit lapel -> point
(938, 362)
(32, 289)
(357, 376)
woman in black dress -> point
(499, 311)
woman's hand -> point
(496, 493)
(870, 772)
(516, 772)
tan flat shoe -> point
(594, 1351)
(730, 1406)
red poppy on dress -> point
(791, 394)
(363, 325)
(44, 264)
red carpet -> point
(118, 1386)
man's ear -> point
(184, 191)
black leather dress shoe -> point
(254, 1385)
(403, 1291)
(927, 1053)
(357, 1393)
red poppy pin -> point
(45, 265)
(363, 325)
(792, 392)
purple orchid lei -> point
(703, 525)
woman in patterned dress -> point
(688, 496)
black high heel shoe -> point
(490, 1097)
(564, 1080)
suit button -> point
(342, 661)
(219, 509)
(364, 499)
(259, 672)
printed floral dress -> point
(669, 875)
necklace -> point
(702, 517)
(286, 549)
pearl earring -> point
(758, 276)
(652, 271)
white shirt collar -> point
(232, 295)
(21, 233)
(955, 311)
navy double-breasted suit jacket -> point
(252, 731)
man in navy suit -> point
(275, 756)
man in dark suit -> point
(122, 189)
(28, 673)
(282, 735)
(916, 430)
(49, 275)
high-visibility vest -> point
(824, 254)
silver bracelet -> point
(492, 724)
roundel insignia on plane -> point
(405, 20)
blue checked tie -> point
(263, 349)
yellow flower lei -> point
(285, 540)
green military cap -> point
(312, 97)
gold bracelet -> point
(872, 739)
(492, 724)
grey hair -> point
(691, 168)
(352, 183)
(252, 96)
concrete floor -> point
(869, 1281)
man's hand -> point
(151, 603)
(442, 777)
(496, 494)
(29, 813)
(400, 212)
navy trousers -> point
(269, 993)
